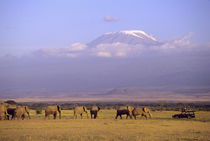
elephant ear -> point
(144, 109)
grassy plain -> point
(161, 128)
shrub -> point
(38, 111)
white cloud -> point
(103, 54)
(110, 19)
(72, 51)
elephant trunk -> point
(150, 115)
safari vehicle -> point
(185, 114)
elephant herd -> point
(8, 112)
(12, 111)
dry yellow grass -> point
(161, 128)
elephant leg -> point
(120, 116)
(54, 115)
(7, 117)
(91, 115)
(126, 116)
(45, 115)
(95, 116)
(150, 115)
(116, 116)
(29, 116)
(13, 117)
(135, 117)
(145, 116)
(81, 116)
(23, 116)
(142, 115)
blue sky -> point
(26, 26)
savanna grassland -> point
(161, 128)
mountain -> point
(116, 61)
(131, 37)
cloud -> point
(176, 44)
(77, 47)
(123, 50)
(185, 41)
(110, 19)
(72, 51)
(103, 54)
(116, 50)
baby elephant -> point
(80, 110)
(94, 111)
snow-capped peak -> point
(131, 37)
(138, 33)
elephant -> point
(141, 111)
(3, 112)
(147, 110)
(94, 111)
(124, 110)
(52, 110)
(11, 111)
(20, 112)
(80, 110)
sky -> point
(27, 26)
